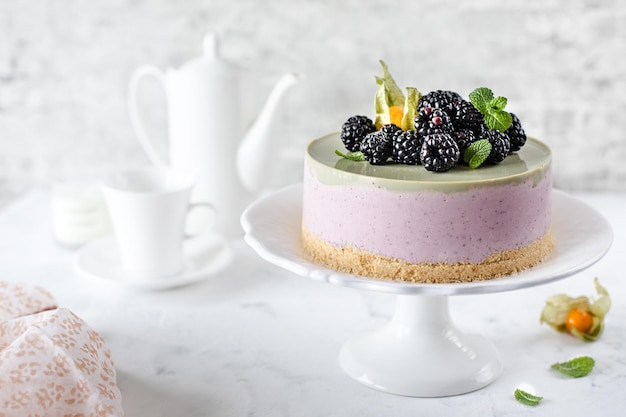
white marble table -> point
(255, 340)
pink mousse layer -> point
(429, 226)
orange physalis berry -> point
(578, 319)
(395, 115)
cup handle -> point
(206, 226)
(133, 108)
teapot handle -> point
(133, 108)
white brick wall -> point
(64, 67)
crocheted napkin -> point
(51, 362)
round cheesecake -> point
(402, 222)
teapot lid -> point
(211, 54)
(210, 58)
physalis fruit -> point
(579, 316)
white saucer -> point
(204, 255)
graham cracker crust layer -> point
(363, 263)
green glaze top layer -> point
(533, 161)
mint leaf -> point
(477, 153)
(498, 103)
(480, 98)
(526, 398)
(353, 156)
(576, 368)
(498, 120)
(491, 108)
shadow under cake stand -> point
(420, 352)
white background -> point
(65, 65)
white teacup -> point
(148, 208)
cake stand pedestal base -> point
(420, 353)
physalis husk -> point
(389, 100)
(391, 104)
(561, 312)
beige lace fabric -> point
(51, 362)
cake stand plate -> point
(420, 352)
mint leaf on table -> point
(576, 368)
(477, 153)
(352, 156)
(526, 398)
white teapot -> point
(209, 133)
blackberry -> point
(464, 138)
(516, 134)
(439, 99)
(439, 152)
(354, 130)
(500, 146)
(466, 116)
(480, 130)
(390, 130)
(431, 120)
(377, 146)
(406, 147)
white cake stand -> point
(420, 352)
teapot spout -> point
(257, 144)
